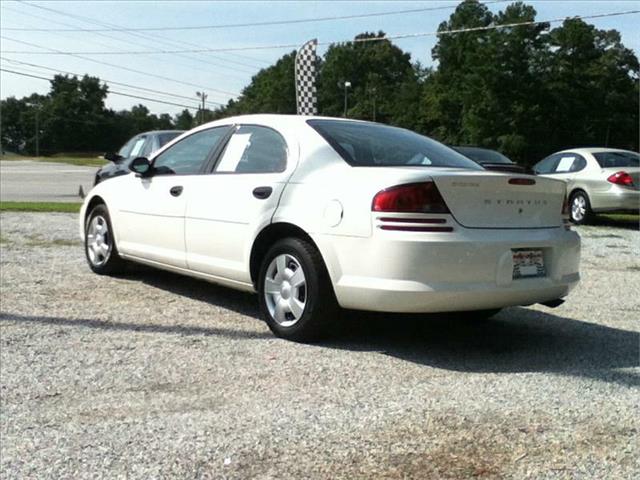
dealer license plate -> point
(528, 263)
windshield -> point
(127, 147)
(617, 159)
(164, 138)
(363, 144)
(482, 155)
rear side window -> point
(547, 165)
(363, 144)
(617, 159)
(569, 162)
(254, 149)
(188, 156)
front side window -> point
(254, 149)
(363, 144)
(189, 155)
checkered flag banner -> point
(306, 96)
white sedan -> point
(320, 213)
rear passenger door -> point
(226, 208)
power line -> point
(155, 39)
(357, 40)
(191, 107)
(59, 52)
(243, 25)
(143, 36)
(151, 90)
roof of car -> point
(273, 119)
(592, 150)
(156, 132)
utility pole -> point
(373, 90)
(37, 132)
(202, 96)
(347, 85)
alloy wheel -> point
(578, 208)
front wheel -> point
(99, 245)
(296, 295)
(580, 208)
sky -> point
(221, 75)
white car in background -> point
(599, 180)
(320, 213)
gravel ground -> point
(152, 375)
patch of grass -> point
(3, 240)
(40, 207)
(81, 161)
(67, 159)
(56, 242)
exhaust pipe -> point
(553, 303)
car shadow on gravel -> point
(514, 341)
(133, 326)
(600, 221)
(517, 340)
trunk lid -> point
(489, 200)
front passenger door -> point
(151, 215)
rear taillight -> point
(621, 178)
(410, 198)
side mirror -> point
(140, 166)
(112, 157)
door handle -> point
(262, 192)
(176, 191)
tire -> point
(580, 208)
(99, 245)
(296, 295)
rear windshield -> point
(482, 155)
(617, 159)
(164, 138)
(363, 144)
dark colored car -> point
(142, 145)
(490, 159)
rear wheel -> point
(296, 295)
(580, 208)
(99, 245)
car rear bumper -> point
(616, 199)
(468, 269)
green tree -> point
(183, 120)
(381, 75)
(74, 114)
(272, 90)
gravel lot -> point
(152, 375)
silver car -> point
(599, 180)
